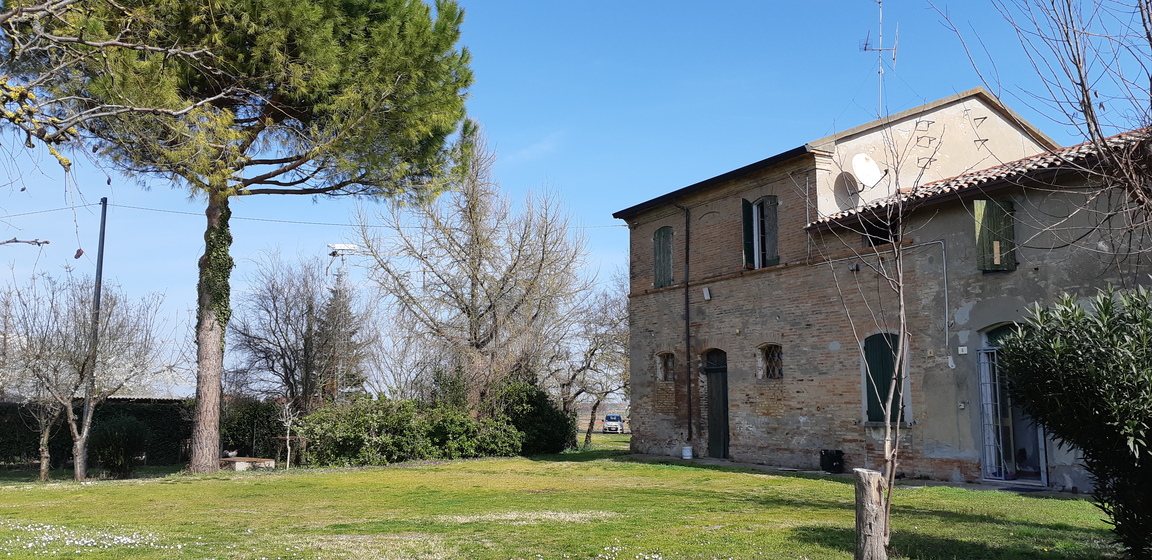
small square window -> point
(771, 362)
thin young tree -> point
(874, 236)
(54, 352)
(309, 98)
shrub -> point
(456, 435)
(1087, 379)
(498, 438)
(546, 428)
(366, 432)
(116, 442)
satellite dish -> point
(866, 170)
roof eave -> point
(696, 187)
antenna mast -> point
(880, 50)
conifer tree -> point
(304, 97)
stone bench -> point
(245, 463)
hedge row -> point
(169, 424)
(370, 432)
(518, 419)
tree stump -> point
(871, 524)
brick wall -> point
(819, 304)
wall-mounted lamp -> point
(854, 267)
(707, 294)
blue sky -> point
(606, 103)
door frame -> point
(994, 404)
(719, 432)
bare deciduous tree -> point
(52, 351)
(1091, 59)
(488, 284)
(603, 349)
(300, 334)
(875, 236)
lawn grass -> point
(591, 504)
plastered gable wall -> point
(941, 141)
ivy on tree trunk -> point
(213, 312)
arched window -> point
(662, 262)
(770, 362)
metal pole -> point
(81, 450)
(94, 339)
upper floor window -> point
(995, 238)
(879, 230)
(770, 362)
(665, 366)
(760, 233)
(662, 244)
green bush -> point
(498, 438)
(380, 432)
(366, 432)
(456, 435)
(116, 442)
(169, 422)
(1086, 377)
(546, 428)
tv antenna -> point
(879, 49)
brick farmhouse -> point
(762, 297)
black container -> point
(832, 460)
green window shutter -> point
(662, 258)
(769, 233)
(749, 235)
(880, 362)
(995, 235)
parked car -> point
(613, 424)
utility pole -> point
(94, 341)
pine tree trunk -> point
(213, 312)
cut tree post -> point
(870, 521)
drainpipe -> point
(687, 317)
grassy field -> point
(591, 504)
